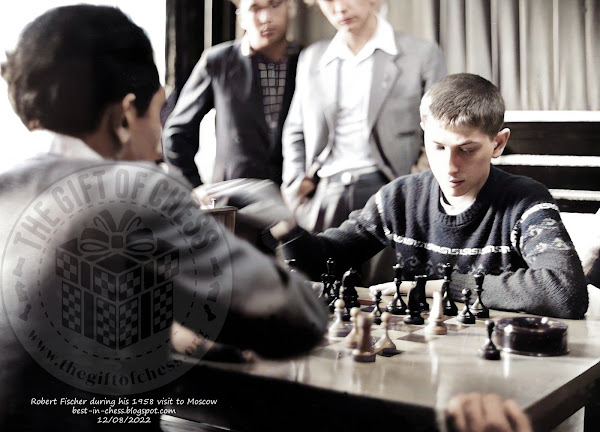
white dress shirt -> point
(351, 149)
(63, 145)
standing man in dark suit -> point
(250, 83)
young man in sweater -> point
(464, 212)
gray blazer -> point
(398, 84)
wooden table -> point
(327, 390)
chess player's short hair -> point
(72, 62)
(465, 100)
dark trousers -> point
(339, 195)
(335, 198)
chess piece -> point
(478, 308)
(450, 308)
(351, 340)
(338, 329)
(349, 281)
(397, 305)
(334, 295)
(291, 264)
(489, 351)
(364, 352)
(435, 325)
(385, 345)
(421, 281)
(413, 311)
(466, 316)
(376, 313)
(328, 279)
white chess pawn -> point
(385, 344)
(351, 340)
(338, 329)
(364, 352)
(435, 324)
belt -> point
(349, 177)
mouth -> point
(267, 32)
(455, 183)
(345, 21)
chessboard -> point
(406, 337)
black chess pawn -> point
(349, 281)
(450, 308)
(478, 308)
(420, 283)
(413, 311)
(466, 316)
(489, 351)
(376, 313)
(397, 305)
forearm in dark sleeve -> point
(181, 140)
(552, 285)
(355, 241)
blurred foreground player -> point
(465, 212)
(83, 79)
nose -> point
(339, 6)
(264, 16)
(453, 161)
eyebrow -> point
(466, 143)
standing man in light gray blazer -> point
(353, 124)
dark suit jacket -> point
(223, 79)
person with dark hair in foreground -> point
(464, 212)
(83, 80)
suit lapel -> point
(246, 86)
(328, 87)
(385, 74)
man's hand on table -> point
(477, 412)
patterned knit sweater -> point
(512, 232)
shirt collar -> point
(383, 39)
(63, 145)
